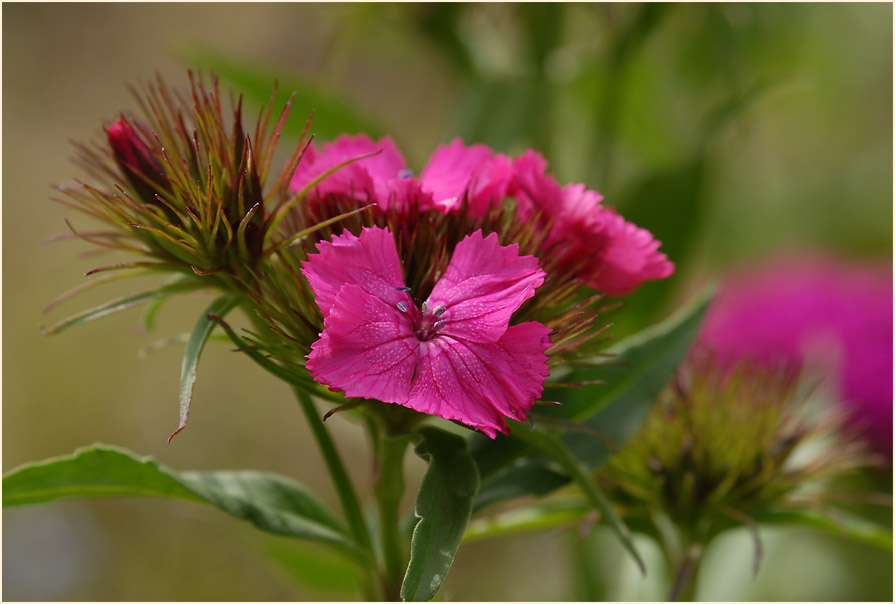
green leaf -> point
(114, 306)
(289, 375)
(333, 115)
(272, 503)
(542, 516)
(529, 477)
(152, 309)
(847, 526)
(201, 331)
(632, 379)
(97, 471)
(556, 450)
(443, 506)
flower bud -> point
(142, 169)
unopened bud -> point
(142, 169)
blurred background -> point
(734, 132)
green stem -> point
(389, 487)
(344, 489)
(684, 588)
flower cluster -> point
(458, 288)
(582, 236)
(451, 293)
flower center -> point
(429, 323)
(426, 323)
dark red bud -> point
(143, 170)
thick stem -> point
(344, 489)
(389, 487)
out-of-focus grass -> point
(623, 97)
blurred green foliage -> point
(732, 131)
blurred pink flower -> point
(456, 356)
(827, 312)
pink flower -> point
(584, 237)
(614, 256)
(141, 168)
(832, 314)
(456, 356)
(382, 178)
(454, 172)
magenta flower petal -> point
(369, 261)
(369, 179)
(479, 384)
(533, 188)
(367, 349)
(455, 172)
(631, 257)
(484, 284)
(455, 357)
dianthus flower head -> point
(833, 315)
(721, 447)
(455, 355)
(473, 231)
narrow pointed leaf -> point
(633, 378)
(556, 450)
(443, 506)
(201, 331)
(544, 516)
(152, 309)
(285, 373)
(272, 503)
(636, 369)
(120, 304)
(845, 525)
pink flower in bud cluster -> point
(455, 355)
(816, 309)
(611, 255)
(616, 256)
